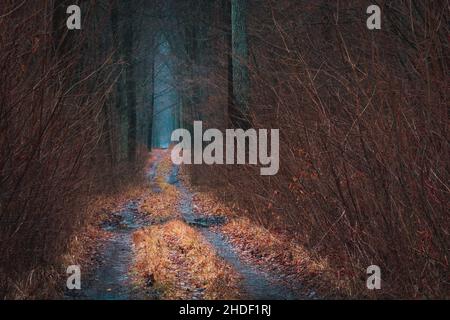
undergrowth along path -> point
(155, 247)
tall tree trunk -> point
(226, 9)
(130, 83)
(119, 86)
(241, 79)
(151, 104)
(189, 92)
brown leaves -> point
(182, 264)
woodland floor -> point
(175, 242)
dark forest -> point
(87, 178)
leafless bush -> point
(58, 137)
(363, 118)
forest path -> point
(114, 278)
(111, 278)
(256, 283)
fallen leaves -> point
(173, 258)
(162, 205)
(282, 254)
(182, 264)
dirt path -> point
(112, 278)
(257, 284)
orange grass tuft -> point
(181, 264)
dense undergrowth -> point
(363, 119)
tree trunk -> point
(130, 83)
(226, 9)
(151, 105)
(241, 80)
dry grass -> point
(279, 251)
(283, 254)
(274, 250)
(85, 243)
(181, 264)
(162, 205)
(207, 203)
